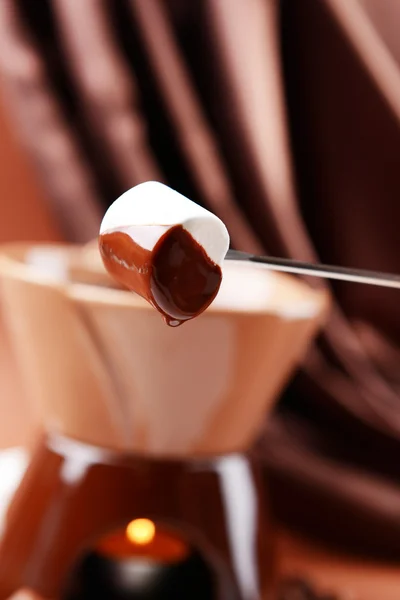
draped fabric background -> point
(284, 119)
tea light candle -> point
(143, 539)
(141, 561)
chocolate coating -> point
(176, 276)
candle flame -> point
(141, 531)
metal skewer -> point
(304, 268)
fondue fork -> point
(318, 270)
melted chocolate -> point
(176, 276)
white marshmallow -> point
(152, 203)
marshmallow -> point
(153, 203)
(166, 248)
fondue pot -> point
(146, 429)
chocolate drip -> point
(176, 276)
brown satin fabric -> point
(283, 118)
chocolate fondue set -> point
(147, 425)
